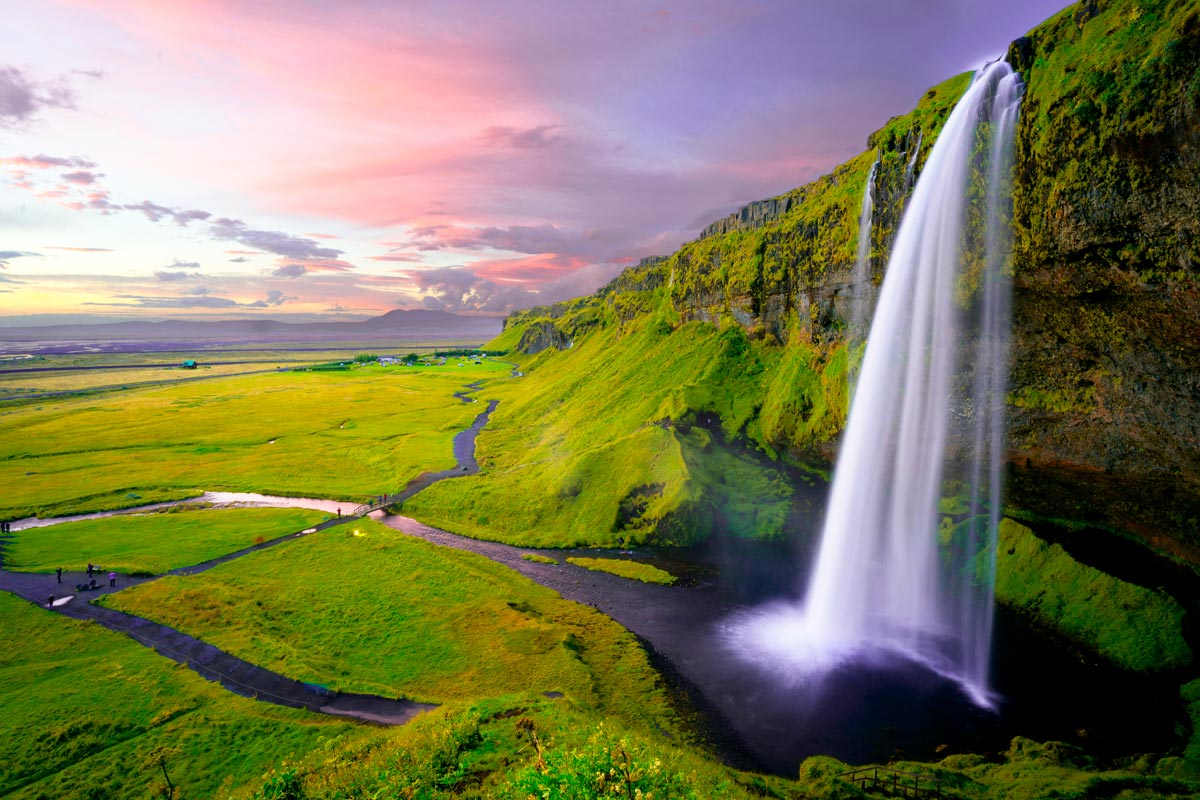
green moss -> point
(1133, 627)
(538, 558)
(634, 570)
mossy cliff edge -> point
(1104, 399)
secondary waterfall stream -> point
(907, 555)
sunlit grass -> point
(384, 613)
(634, 570)
(345, 435)
(85, 707)
(151, 543)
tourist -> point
(92, 585)
(58, 572)
(112, 579)
(91, 569)
(50, 602)
(339, 512)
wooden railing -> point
(897, 783)
(382, 501)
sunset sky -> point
(305, 159)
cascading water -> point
(910, 169)
(899, 568)
(860, 295)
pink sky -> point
(268, 158)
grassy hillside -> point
(89, 713)
(604, 441)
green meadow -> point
(88, 713)
(364, 608)
(344, 435)
(152, 543)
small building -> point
(189, 364)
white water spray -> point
(889, 576)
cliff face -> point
(1105, 412)
(1105, 388)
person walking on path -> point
(58, 572)
(112, 579)
(91, 569)
(339, 513)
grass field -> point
(343, 435)
(362, 607)
(37, 382)
(634, 570)
(556, 473)
(84, 709)
(151, 543)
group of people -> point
(92, 569)
(5, 527)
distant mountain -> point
(398, 324)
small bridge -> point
(897, 783)
(382, 501)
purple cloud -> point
(43, 161)
(81, 177)
(534, 138)
(22, 97)
(283, 244)
(8, 255)
(289, 271)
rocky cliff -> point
(1105, 389)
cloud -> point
(519, 138)
(460, 289)
(278, 298)
(83, 249)
(277, 242)
(22, 97)
(200, 291)
(42, 161)
(289, 271)
(239, 260)
(81, 177)
(155, 212)
(408, 258)
(142, 301)
(9, 255)
(178, 271)
(545, 238)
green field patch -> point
(537, 558)
(154, 542)
(635, 570)
(364, 608)
(1134, 627)
(215, 435)
(85, 709)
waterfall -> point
(891, 573)
(860, 293)
(912, 161)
